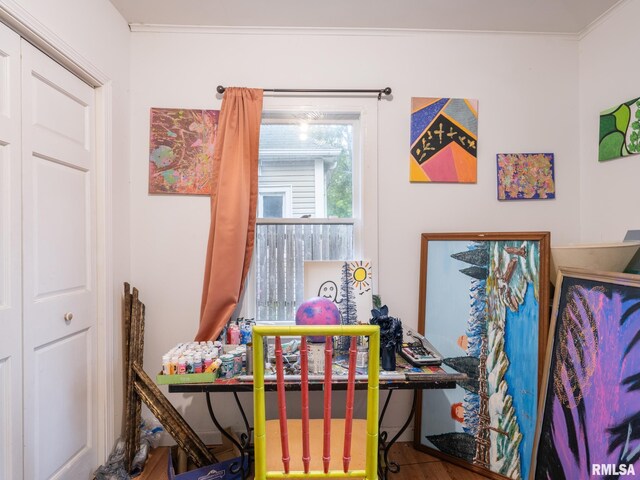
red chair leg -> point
(348, 420)
(326, 450)
(304, 372)
(282, 406)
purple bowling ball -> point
(318, 311)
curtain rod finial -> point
(384, 91)
(221, 89)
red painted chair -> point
(318, 448)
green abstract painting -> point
(620, 131)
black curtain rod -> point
(380, 92)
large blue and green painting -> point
(482, 313)
(620, 131)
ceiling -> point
(545, 16)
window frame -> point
(364, 184)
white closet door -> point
(10, 253)
(60, 415)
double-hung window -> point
(310, 202)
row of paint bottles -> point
(239, 332)
(191, 358)
(187, 364)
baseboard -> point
(407, 435)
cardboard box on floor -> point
(227, 453)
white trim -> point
(106, 327)
(340, 31)
(319, 188)
(303, 221)
(601, 19)
(36, 33)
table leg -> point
(245, 438)
(242, 446)
(384, 464)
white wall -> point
(609, 75)
(98, 33)
(528, 98)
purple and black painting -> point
(591, 420)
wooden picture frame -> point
(588, 419)
(140, 388)
(484, 304)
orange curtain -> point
(234, 193)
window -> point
(274, 201)
(309, 203)
(272, 206)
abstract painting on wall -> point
(484, 307)
(181, 147)
(523, 176)
(348, 284)
(444, 136)
(589, 422)
(620, 131)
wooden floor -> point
(414, 465)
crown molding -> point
(601, 19)
(325, 31)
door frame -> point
(32, 30)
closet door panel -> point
(61, 275)
(60, 315)
(60, 120)
(10, 261)
(67, 438)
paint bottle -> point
(215, 365)
(189, 363)
(197, 363)
(245, 333)
(208, 360)
(174, 364)
(166, 365)
(215, 352)
(233, 334)
(182, 366)
(237, 362)
(226, 365)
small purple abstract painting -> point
(525, 176)
(590, 421)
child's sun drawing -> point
(360, 275)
